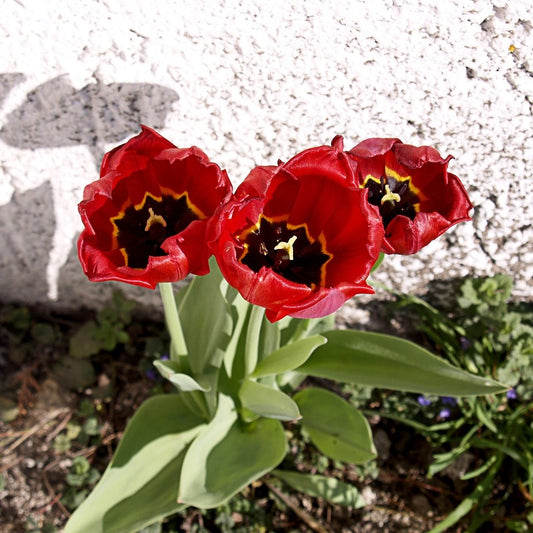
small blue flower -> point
(151, 374)
(422, 400)
(449, 400)
(511, 394)
(444, 413)
(165, 357)
(465, 343)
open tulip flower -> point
(417, 197)
(299, 239)
(145, 219)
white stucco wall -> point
(250, 82)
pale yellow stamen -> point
(287, 246)
(154, 219)
(390, 196)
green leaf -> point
(268, 402)
(288, 357)
(378, 262)
(335, 427)
(239, 310)
(331, 489)
(481, 470)
(228, 455)
(484, 417)
(181, 381)
(479, 493)
(43, 333)
(74, 373)
(376, 360)
(269, 338)
(141, 483)
(85, 342)
(205, 320)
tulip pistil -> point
(393, 195)
(390, 196)
(287, 246)
(154, 219)
(286, 249)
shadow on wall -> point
(56, 114)
(25, 241)
(8, 80)
(35, 245)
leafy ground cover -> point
(71, 383)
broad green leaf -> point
(182, 381)
(228, 455)
(268, 402)
(376, 360)
(205, 320)
(288, 357)
(145, 468)
(331, 489)
(336, 428)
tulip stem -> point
(253, 332)
(173, 320)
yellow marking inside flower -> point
(154, 219)
(158, 199)
(389, 173)
(390, 196)
(393, 174)
(264, 251)
(287, 246)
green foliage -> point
(331, 489)
(84, 429)
(228, 455)
(22, 331)
(267, 401)
(222, 431)
(481, 332)
(81, 478)
(106, 332)
(145, 468)
(378, 360)
(335, 427)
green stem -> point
(173, 321)
(251, 347)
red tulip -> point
(146, 217)
(299, 239)
(417, 197)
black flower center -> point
(287, 250)
(141, 230)
(393, 197)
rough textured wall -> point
(250, 82)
